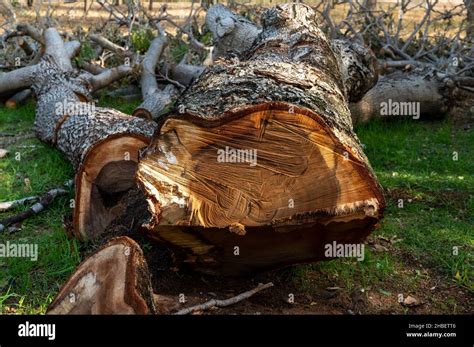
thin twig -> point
(223, 303)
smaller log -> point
(109, 76)
(185, 73)
(113, 280)
(91, 68)
(31, 31)
(420, 90)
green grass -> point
(416, 159)
(413, 160)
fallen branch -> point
(223, 303)
(43, 203)
(107, 44)
(155, 101)
(8, 205)
(19, 98)
(14, 138)
(109, 76)
(31, 31)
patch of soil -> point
(320, 295)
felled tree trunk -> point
(114, 280)
(260, 167)
(101, 143)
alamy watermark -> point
(71, 108)
(344, 250)
(28, 329)
(234, 155)
(19, 250)
(398, 108)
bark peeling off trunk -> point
(113, 280)
(302, 178)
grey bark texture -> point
(291, 61)
(234, 33)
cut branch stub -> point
(263, 153)
(113, 280)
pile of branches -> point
(427, 41)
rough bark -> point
(284, 98)
(358, 67)
(234, 33)
(113, 280)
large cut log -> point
(101, 143)
(113, 280)
(259, 166)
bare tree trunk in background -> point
(470, 19)
(150, 5)
(29, 3)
